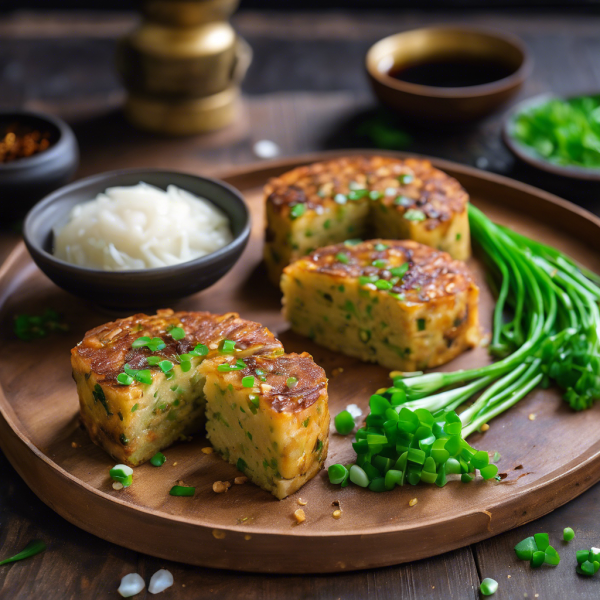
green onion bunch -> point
(399, 445)
(551, 333)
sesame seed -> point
(247, 537)
(412, 502)
(300, 516)
(336, 514)
(207, 450)
(302, 502)
(117, 485)
(531, 417)
(485, 427)
(218, 534)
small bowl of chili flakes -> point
(38, 154)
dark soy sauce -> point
(452, 72)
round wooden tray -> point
(548, 461)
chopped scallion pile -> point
(588, 561)
(399, 446)
(537, 550)
(564, 132)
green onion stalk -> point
(551, 333)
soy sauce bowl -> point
(435, 103)
(143, 288)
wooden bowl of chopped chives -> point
(557, 135)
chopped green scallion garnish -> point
(382, 284)
(248, 381)
(343, 258)
(568, 534)
(365, 279)
(182, 490)
(421, 324)
(158, 460)
(227, 346)
(200, 350)
(380, 247)
(122, 474)
(292, 382)
(124, 379)
(165, 366)
(340, 199)
(177, 333)
(401, 270)
(357, 194)
(380, 263)
(154, 345)
(34, 547)
(344, 423)
(413, 214)
(297, 210)
(488, 587)
(405, 178)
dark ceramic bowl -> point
(135, 289)
(25, 180)
(429, 103)
(529, 155)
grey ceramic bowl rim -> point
(65, 137)
(529, 155)
(44, 203)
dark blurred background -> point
(7, 5)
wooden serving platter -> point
(548, 460)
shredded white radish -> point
(141, 227)
(160, 581)
(131, 585)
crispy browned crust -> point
(431, 191)
(107, 348)
(311, 380)
(432, 274)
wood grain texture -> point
(42, 439)
(314, 114)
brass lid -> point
(188, 13)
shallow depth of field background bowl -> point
(547, 461)
(529, 155)
(25, 180)
(445, 104)
(144, 288)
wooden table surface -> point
(306, 91)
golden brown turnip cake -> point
(398, 303)
(360, 197)
(146, 380)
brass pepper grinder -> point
(182, 67)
